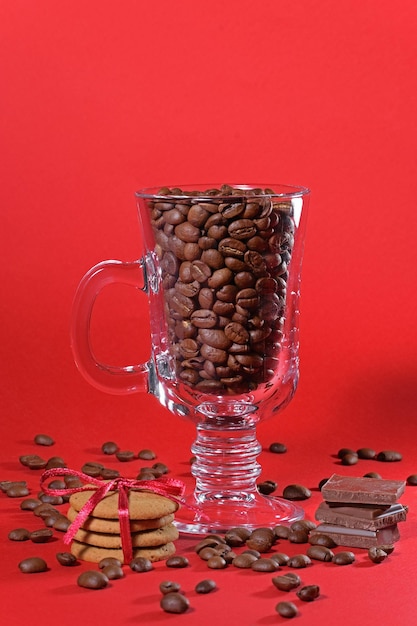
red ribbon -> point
(169, 487)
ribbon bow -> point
(169, 487)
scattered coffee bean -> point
(41, 536)
(320, 553)
(174, 602)
(19, 534)
(366, 453)
(92, 469)
(299, 560)
(286, 582)
(92, 579)
(372, 475)
(351, 458)
(113, 572)
(109, 560)
(264, 565)
(388, 548)
(280, 558)
(109, 447)
(412, 480)
(244, 560)
(55, 461)
(308, 593)
(278, 448)
(389, 456)
(66, 559)
(296, 492)
(146, 455)
(168, 586)
(140, 564)
(109, 474)
(320, 539)
(236, 537)
(376, 554)
(322, 483)
(44, 440)
(267, 487)
(261, 539)
(125, 455)
(36, 463)
(298, 535)
(33, 565)
(286, 609)
(216, 562)
(205, 586)
(343, 451)
(17, 490)
(161, 468)
(206, 553)
(344, 558)
(45, 497)
(281, 531)
(177, 561)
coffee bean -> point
(174, 602)
(286, 609)
(244, 560)
(109, 447)
(344, 558)
(109, 474)
(281, 531)
(19, 534)
(205, 586)
(29, 504)
(280, 558)
(237, 536)
(351, 458)
(366, 453)
(344, 451)
(376, 554)
(17, 490)
(308, 593)
(286, 582)
(146, 454)
(299, 561)
(278, 448)
(109, 560)
(33, 565)
(320, 539)
(113, 572)
(177, 561)
(298, 535)
(66, 559)
(41, 536)
(168, 586)
(92, 579)
(267, 487)
(320, 553)
(322, 483)
(264, 565)
(55, 461)
(303, 524)
(140, 564)
(216, 562)
(125, 455)
(44, 440)
(412, 480)
(372, 475)
(389, 456)
(261, 540)
(296, 492)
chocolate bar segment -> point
(358, 538)
(361, 517)
(349, 489)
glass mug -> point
(221, 270)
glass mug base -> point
(218, 515)
(221, 271)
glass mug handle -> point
(109, 378)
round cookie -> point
(143, 539)
(94, 554)
(143, 505)
(112, 526)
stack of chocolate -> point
(360, 512)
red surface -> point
(99, 100)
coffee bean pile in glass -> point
(224, 265)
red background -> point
(99, 99)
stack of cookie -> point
(151, 527)
(360, 512)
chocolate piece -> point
(347, 489)
(361, 517)
(358, 538)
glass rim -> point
(201, 191)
